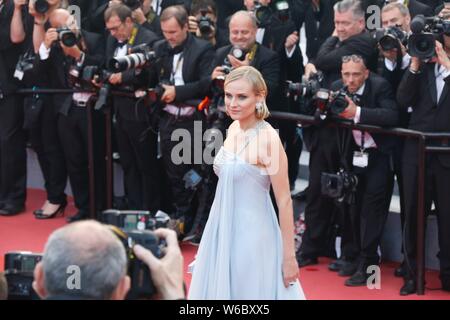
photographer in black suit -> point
(57, 63)
(425, 87)
(318, 18)
(415, 7)
(371, 158)
(348, 38)
(12, 139)
(184, 73)
(136, 139)
(396, 62)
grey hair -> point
(353, 5)
(246, 14)
(100, 257)
(395, 5)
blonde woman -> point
(244, 252)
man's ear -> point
(122, 289)
(39, 281)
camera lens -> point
(41, 6)
(68, 38)
(388, 42)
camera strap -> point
(133, 36)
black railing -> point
(423, 149)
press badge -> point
(18, 74)
(360, 159)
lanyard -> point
(363, 136)
(177, 66)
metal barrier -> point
(423, 149)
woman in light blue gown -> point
(244, 252)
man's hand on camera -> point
(392, 54)
(167, 272)
(74, 51)
(50, 36)
(415, 64)
(442, 57)
(309, 69)
(169, 94)
(139, 16)
(217, 72)
(291, 41)
(115, 78)
(350, 111)
(193, 25)
(236, 63)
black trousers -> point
(320, 211)
(372, 198)
(47, 145)
(73, 132)
(138, 156)
(13, 164)
(437, 186)
(182, 197)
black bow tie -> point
(120, 44)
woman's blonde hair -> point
(256, 80)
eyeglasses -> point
(354, 57)
(114, 29)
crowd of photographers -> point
(159, 66)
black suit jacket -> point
(131, 79)
(198, 55)
(9, 52)
(429, 115)
(329, 57)
(378, 107)
(319, 25)
(267, 62)
(55, 69)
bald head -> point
(90, 249)
(59, 18)
(243, 27)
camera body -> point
(67, 37)
(390, 38)
(425, 31)
(205, 24)
(136, 227)
(19, 268)
(340, 186)
(139, 57)
(264, 14)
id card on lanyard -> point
(361, 158)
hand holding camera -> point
(236, 63)
(139, 16)
(442, 57)
(18, 4)
(350, 111)
(116, 78)
(50, 37)
(169, 93)
(167, 272)
(291, 40)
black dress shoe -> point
(336, 265)
(400, 272)
(80, 215)
(408, 288)
(348, 269)
(10, 210)
(358, 279)
(306, 261)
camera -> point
(19, 268)
(128, 220)
(236, 52)
(390, 38)
(306, 88)
(139, 56)
(67, 37)
(264, 14)
(41, 6)
(205, 24)
(425, 31)
(132, 4)
(136, 227)
(141, 281)
(339, 186)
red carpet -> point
(23, 232)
